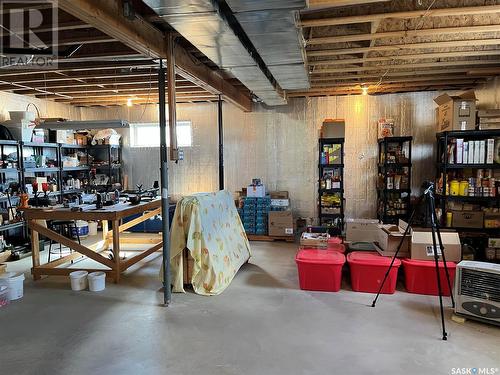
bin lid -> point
(427, 263)
(335, 240)
(320, 256)
(371, 258)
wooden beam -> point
(141, 36)
(372, 81)
(404, 34)
(378, 90)
(413, 73)
(104, 83)
(340, 3)
(139, 89)
(408, 66)
(429, 82)
(419, 56)
(440, 12)
(136, 98)
(396, 47)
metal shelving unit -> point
(334, 168)
(444, 168)
(393, 202)
(112, 156)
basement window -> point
(148, 134)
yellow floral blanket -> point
(209, 226)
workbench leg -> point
(105, 231)
(116, 249)
(35, 252)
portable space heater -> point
(477, 291)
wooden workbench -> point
(115, 214)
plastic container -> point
(15, 284)
(320, 270)
(78, 280)
(92, 228)
(82, 227)
(4, 296)
(420, 276)
(368, 270)
(97, 281)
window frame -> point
(135, 127)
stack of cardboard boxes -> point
(417, 244)
(266, 214)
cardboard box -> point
(456, 112)
(362, 230)
(389, 238)
(256, 191)
(422, 248)
(492, 219)
(333, 129)
(279, 194)
(401, 254)
(3, 268)
(385, 128)
(468, 219)
(280, 202)
(314, 240)
(281, 224)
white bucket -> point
(15, 283)
(97, 281)
(92, 228)
(78, 280)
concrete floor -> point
(262, 324)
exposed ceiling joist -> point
(404, 34)
(420, 56)
(340, 3)
(394, 67)
(396, 47)
(443, 12)
(412, 73)
(138, 34)
(372, 80)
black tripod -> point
(428, 197)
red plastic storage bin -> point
(368, 269)
(420, 276)
(320, 270)
(335, 240)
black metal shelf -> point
(397, 165)
(71, 146)
(42, 170)
(5, 142)
(331, 191)
(383, 193)
(442, 166)
(469, 134)
(338, 219)
(7, 227)
(36, 144)
(467, 198)
(72, 169)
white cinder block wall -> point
(279, 144)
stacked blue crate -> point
(255, 214)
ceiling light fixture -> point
(364, 89)
(130, 102)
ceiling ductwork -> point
(258, 42)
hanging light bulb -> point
(130, 102)
(364, 89)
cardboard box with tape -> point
(362, 230)
(422, 247)
(389, 238)
(281, 224)
(456, 112)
